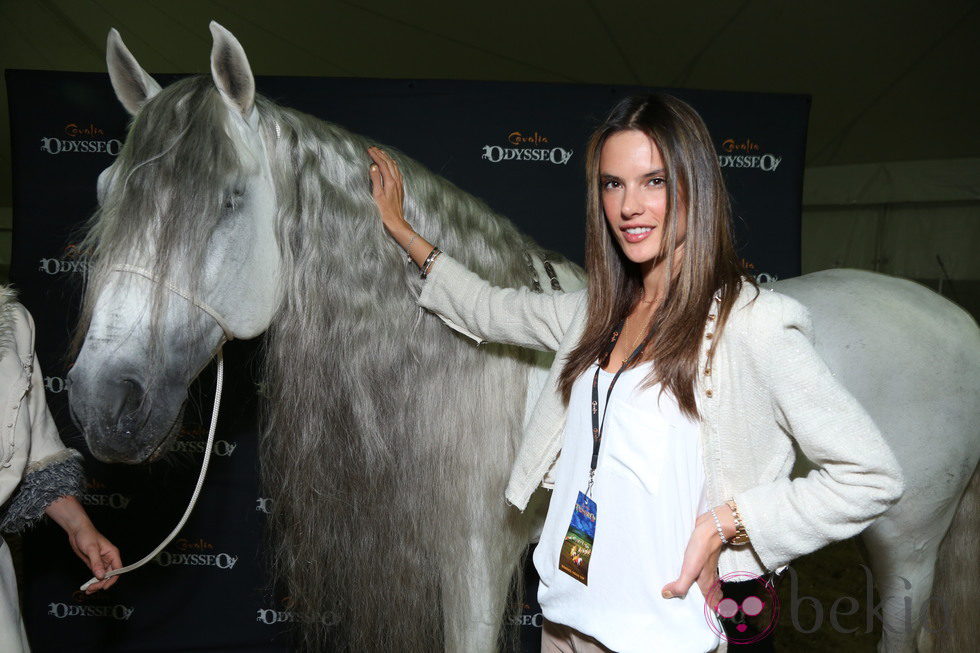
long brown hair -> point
(709, 263)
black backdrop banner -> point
(517, 146)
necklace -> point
(636, 342)
(643, 294)
(642, 334)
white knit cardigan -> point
(767, 387)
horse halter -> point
(177, 290)
(219, 384)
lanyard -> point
(596, 425)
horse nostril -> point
(132, 397)
(123, 399)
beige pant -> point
(556, 638)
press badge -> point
(577, 547)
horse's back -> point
(878, 317)
(910, 356)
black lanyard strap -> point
(597, 427)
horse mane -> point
(385, 433)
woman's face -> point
(633, 185)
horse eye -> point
(229, 204)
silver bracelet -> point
(721, 533)
(408, 248)
(428, 268)
(428, 261)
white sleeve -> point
(856, 478)
(514, 316)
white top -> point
(649, 490)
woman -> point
(38, 475)
(675, 395)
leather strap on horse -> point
(549, 270)
(177, 290)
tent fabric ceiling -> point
(890, 81)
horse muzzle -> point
(122, 421)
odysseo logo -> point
(83, 605)
(54, 384)
(64, 610)
(526, 618)
(72, 260)
(746, 154)
(60, 266)
(195, 553)
(82, 139)
(527, 147)
(96, 495)
(273, 616)
(222, 448)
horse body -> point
(387, 438)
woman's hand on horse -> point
(387, 189)
(389, 194)
(701, 558)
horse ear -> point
(231, 71)
(132, 84)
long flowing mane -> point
(384, 431)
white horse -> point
(388, 438)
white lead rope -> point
(197, 489)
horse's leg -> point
(953, 623)
(903, 572)
(474, 598)
(903, 547)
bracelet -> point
(408, 248)
(740, 537)
(721, 533)
(424, 268)
(428, 261)
(432, 262)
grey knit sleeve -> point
(46, 481)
